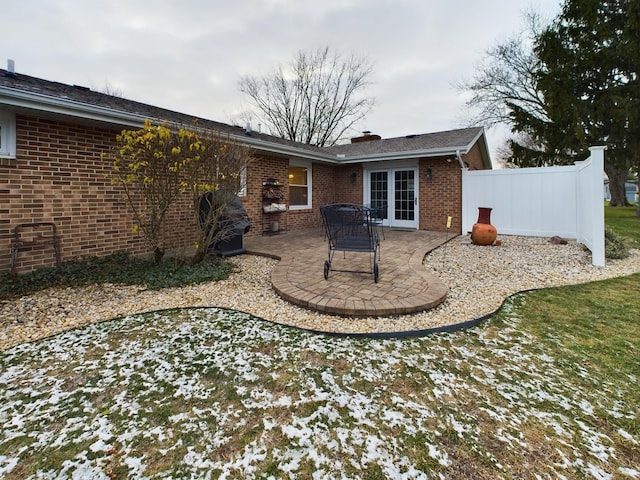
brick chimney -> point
(367, 136)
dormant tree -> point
(315, 99)
(568, 86)
(506, 78)
(505, 86)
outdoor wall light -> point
(353, 177)
(428, 174)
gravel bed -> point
(479, 279)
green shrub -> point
(116, 268)
(614, 247)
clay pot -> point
(483, 233)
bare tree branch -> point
(507, 77)
(315, 99)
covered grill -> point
(232, 225)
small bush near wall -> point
(614, 246)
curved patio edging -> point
(432, 295)
(405, 286)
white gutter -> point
(411, 154)
(38, 101)
(61, 106)
(459, 157)
(65, 106)
(286, 150)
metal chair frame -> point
(350, 228)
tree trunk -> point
(637, 155)
(617, 177)
(158, 253)
(198, 256)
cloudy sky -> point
(188, 55)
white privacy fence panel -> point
(564, 201)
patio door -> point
(396, 188)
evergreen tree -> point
(589, 59)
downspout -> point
(464, 216)
(459, 157)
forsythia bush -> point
(156, 165)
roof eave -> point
(67, 107)
(47, 103)
(411, 154)
(64, 106)
(484, 149)
(286, 150)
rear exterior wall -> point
(271, 167)
(61, 175)
(441, 195)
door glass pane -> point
(379, 188)
(404, 207)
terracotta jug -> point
(483, 233)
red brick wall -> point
(259, 171)
(59, 176)
(324, 187)
(441, 196)
(348, 191)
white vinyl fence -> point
(542, 202)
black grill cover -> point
(234, 217)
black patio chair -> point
(323, 232)
(379, 215)
(350, 228)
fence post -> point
(597, 206)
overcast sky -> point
(188, 55)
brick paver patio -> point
(404, 285)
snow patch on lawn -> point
(224, 395)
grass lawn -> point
(545, 389)
(623, 221)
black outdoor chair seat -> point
(350, 228)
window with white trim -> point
(299, 185)
(7, 134)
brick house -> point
(53, 135)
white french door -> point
(397, 189)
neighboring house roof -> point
(26, 93)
